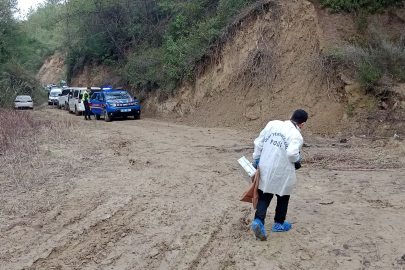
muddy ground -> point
(152, 194)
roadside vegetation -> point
(156, 44)
(372, 58)
(22, 52)
(377, 66)
(34, 157)
(22, 155)
(360, 5)
(151, 44)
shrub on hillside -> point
(369, 75)
(355, 5)
(145, 71)
(16, 80)
(165, 38)
(379, 65)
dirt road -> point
(157, 195)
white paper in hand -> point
(247, 166)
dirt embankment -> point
(263, 72)
(53, 70)
(94, 75)
(270, 65)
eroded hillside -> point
(265, 65)
(264, 71)
(53, 70)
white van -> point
(75, 102)
(53, 96)
(63, 100)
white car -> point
(64, 97)
(23, 101)
(53, 96)
(76, 105)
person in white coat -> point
(277, 155)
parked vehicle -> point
(23, 102)
(114, 103)
(76, 105)
(53, 96)
(63, 98)
(63, 84)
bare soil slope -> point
(53, 70)
(264, 71)
(158, 195)
(94, 75)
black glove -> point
(297, 165)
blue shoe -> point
(258, 229)
(277, 227)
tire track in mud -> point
(78, 235)
(205, 247)
(89, 248)
(173, 220)
(233, 225)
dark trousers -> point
(264, 202)
(86, 109)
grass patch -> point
(356, 5)
(377, 66)
(369, 75)
(350, 109)
(36, 163)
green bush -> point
(165, 38)
(190, 34)
(145, 71)
(192, 27)
(381, 63)
(369, 75)
(336, 54)
(108, 62)
(350, 109)
(399, 73)
(356, 5)
(377, 66)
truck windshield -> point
(117, 95)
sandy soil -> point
(157, 195)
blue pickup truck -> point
(114, 103)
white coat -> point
(278, 147)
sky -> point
(24, 5)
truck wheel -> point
(106, 117)
(76, 111)
(138, 116)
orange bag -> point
(252, 194)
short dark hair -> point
(88, 87)
(299, 116)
